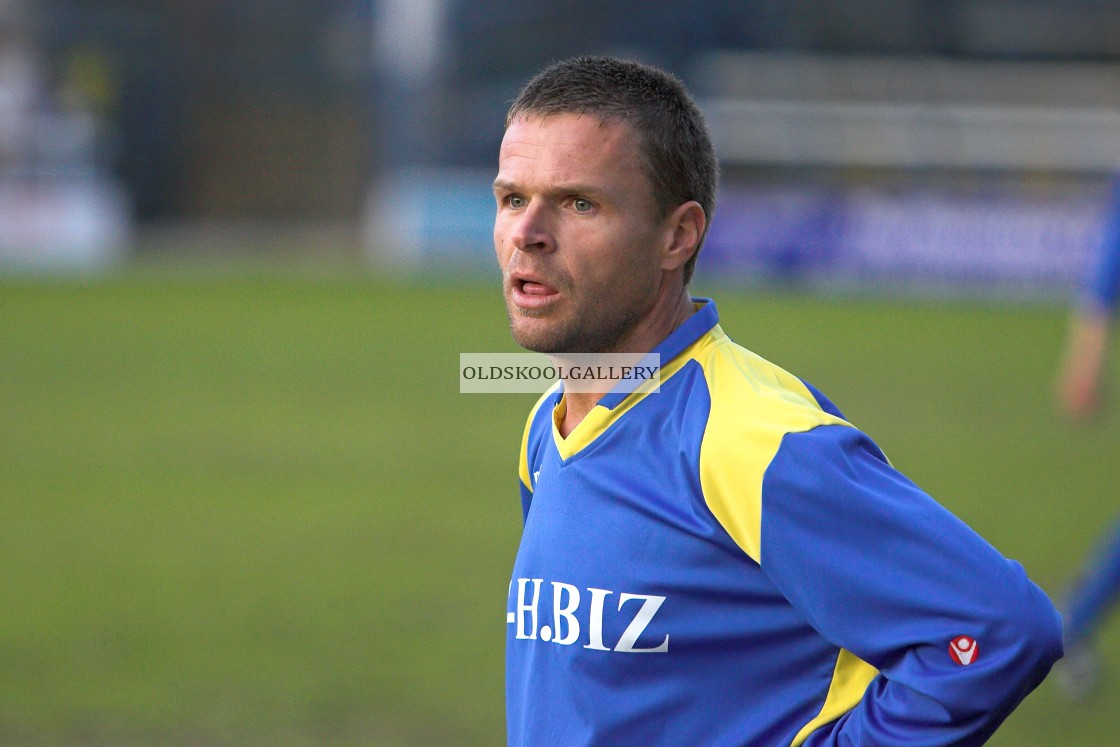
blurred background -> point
(912, 140)
(243, 242)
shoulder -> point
(755, 405)
(749, 393)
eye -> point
(581, 205)
(516, 201)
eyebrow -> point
(566, 189)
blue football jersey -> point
(1101, 286)
(728, 561)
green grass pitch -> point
(252, 508)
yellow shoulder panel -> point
(754, 405)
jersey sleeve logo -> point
(963, 650)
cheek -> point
(621, 272)
(637, 261)
(500, 244)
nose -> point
(530, 229)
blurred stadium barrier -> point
(932, 175)
(431, 218)
(913, 112)
(61, 222)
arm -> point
(1083, 364)
(882, 570)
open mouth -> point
(532, 292)
(535, 288)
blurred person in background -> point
(1081, 393)
(54, 114)
(1081, 376)
(727, 560)
(22, 89)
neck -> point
(659, 324)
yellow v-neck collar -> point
(602, 417)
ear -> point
(685, 226)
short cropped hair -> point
(673, 139)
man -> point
(1080, 384)
(726, 561)
(1081, 375)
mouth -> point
(531, 292)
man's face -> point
(576, 233)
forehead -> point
(569, 146)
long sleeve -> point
(959, 633)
